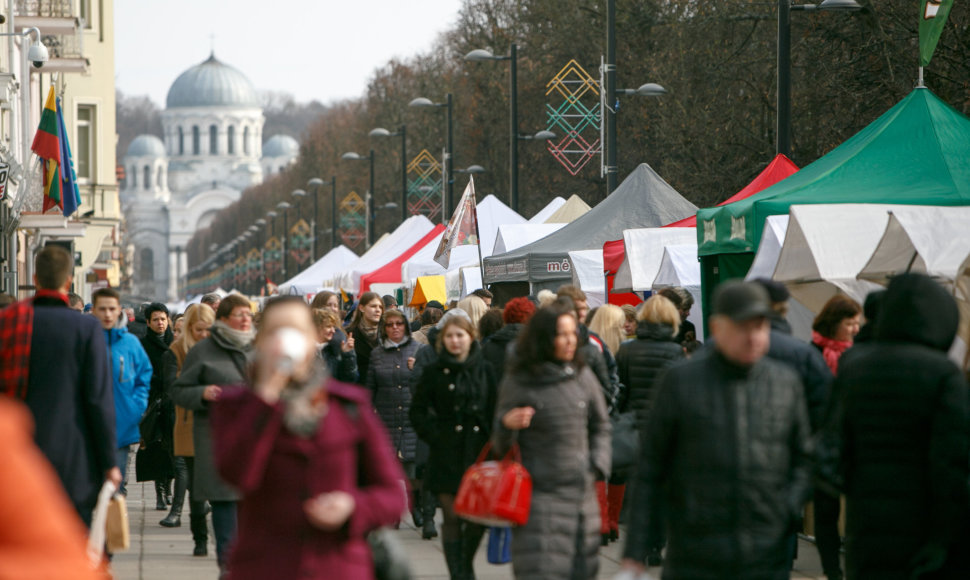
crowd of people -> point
(303, 428)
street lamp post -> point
(785, 7)
(369, 198)
(314, 183)
(479, 55)
(283, 206)
(449, 147)
(402, 132)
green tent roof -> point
(918, 152)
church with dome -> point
(213, 149)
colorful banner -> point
(300, 242)
(353, 220)
(424, 186)
(462, 227)
(575, 120)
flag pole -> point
(478, 236)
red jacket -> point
(276, 471)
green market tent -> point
(917, 153)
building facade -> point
(211, 150)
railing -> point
(45, 8)
(65, 45)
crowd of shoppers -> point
(302, 437)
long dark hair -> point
(365, 299)
(536, 343)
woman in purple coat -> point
(310, 457)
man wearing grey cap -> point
(726, 451)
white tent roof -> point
(771, 239)
(512, 236)
(316, 276)
(927, 239)
(644, 249)
(826, 246)
(569, 211)
(588, 275)
(543, 214)
(492, 214)
(400, 240)
(679, 267)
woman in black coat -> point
(389, 381)
(639, 364)
(363, 328)
(452, 411)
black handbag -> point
(153, 462)
(150, 426)
(626, 443)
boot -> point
(201, 548)
(471, 537)
(614, 496)
(428, 508)
(417, 516)
(173, 520)
(602, 500)
(168, 492)
(200, 532)
(452, 549)
(160, 504)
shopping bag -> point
(117, 534)
(495, 493)
(626, 443)
(153, 463)
(499, 545)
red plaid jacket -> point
(16, 331)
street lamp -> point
(480, 55)
(315, 183)
(402, 132)
(472, 169)
(352, 156)
(423, 102)
(783, 137)
(283, 206)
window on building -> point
(196, 140)
(85, 13)
(147, 181)
(181, 142)
(213, 140)
(146, 265)
(231, 140)
(246, 140)
(86, 146)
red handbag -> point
(495, 493)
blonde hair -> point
(608, 324)
(660, 310)
(185, 342)
(324, 317)
(473, 306)
(545, 297)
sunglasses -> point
(395, 323)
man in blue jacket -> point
(131, 373)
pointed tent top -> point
(642, 200)
(780, 168)
(569, 211)
(917, 152)
(543, 214)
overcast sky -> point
(315, 49)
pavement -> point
(159, 553)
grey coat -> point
(565, 450)
(389, 381)
(213, 361)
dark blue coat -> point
(69, 394)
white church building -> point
(213, 149)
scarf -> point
(831, 349)
(369, 332)
(16, 332)
(236, 338)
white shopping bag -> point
(98, 520)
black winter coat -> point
(155, 346)
(639, 363)
(452, 412)
(497, 346)
(341, 365)
(726, 453)
(363, 345)
(902, 415)
(389, 381)
(807, 361)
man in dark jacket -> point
(54, 359)
(902, 417)
(727, 452)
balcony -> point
(61, 29)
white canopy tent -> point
(928, 239)
(316, 277)
(492, 214)
(679, 267)
(406, 235)
(825, 248)
(588, 275)
(772, 238)
(543, 214)
(512, 236)
(644, 249)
